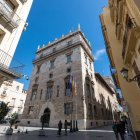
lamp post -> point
(136, 78)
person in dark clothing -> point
(114, 127)
(65, 127)
(59, 127)
(121, 130)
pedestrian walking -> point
(121, 129)
(114, 127)
(59, 127)
(65, 127)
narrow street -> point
(102, 133)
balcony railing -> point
(10, 65)
(7, 13)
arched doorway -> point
(47, 113)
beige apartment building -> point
(13, 16)
(13, 94)
(121, 29)
(94, 103)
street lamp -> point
(136, 78)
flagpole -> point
(71, 130)
(76, 107)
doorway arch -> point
(47, 113)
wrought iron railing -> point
(7, 63)
(7, 12)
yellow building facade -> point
(120, 23)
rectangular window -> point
(54, 49)
(90, 65)
(21, 104)
(41, 94)
(49, 91)
(68, 108)
(69, 42)
(69, 58)
(51, 64)
(1, 35)
(58, 91)
(30, 111)
(85, 59)
(12, 103)
(34, 93)
(17, 88)
(38, 69)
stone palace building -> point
(49, 91)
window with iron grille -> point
(34, 93)
(68, 108)
(30, 111)
(69, 58)
(49, 91)
(58, 89)
(52, 64)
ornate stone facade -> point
(50, 87)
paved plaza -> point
(101, 133)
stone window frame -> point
(51, 75)
(69, 42)
(88, 83)
(68, 108)
(41, 92)
(52, 64)
(69, 70)
(49, 91)
(38, 69)
(86, 58)
(54, 49)
(90, 64)
(17, 88)
(67, 56)
(36, 79)
(30, 110)
(34, 92)
(12, 103)
(67, 86)
(58, 91)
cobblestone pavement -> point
(101, 133)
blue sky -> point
(49, 19)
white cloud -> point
(99, 53)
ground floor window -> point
(68, 108)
